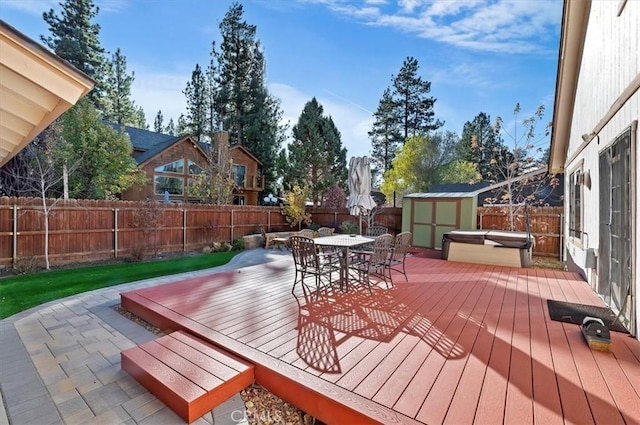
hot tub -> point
(496, 247)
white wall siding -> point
(610, 62)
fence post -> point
(115, 233)
(268, 220)
(184, 229)
(480, 220)
(560, 239)
(15, 235)
(231, 227)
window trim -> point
(576, 176)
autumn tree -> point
(419, 164)
(316, 154)
(521, 168)
(214, 184)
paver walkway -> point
(60, 362)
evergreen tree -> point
(386, 133)
(478, 144)
(158, 125)
(170, 128)
(415, 107)
(182, 128)
(139, 119)
(75, 39)
(316, 155)
(117, 104)
(196, 93)
(241, 100)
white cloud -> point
(511, 26)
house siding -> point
(610, 63)
(184, 149)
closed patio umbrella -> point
(359, 181)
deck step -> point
(188, 374)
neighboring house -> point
(595, 143)
(37, 87)
(171, 161)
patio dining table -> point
(344, 243)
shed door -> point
(432, 218)
(614, 264)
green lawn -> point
(18, 293)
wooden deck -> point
(459, 343)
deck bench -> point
(189, 375)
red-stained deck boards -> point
(189, 375)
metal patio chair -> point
(369, 265)
(398, 254)
(313, 269)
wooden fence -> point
(91, 230)
(545, 225)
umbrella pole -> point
(360, 219)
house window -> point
(173, 185)
(575, 204)
(239, 200)
(239, 172)
(194, 168)
(172, 167)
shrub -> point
(348, 227)
(27, 265)
(238, 245)
(138, 253)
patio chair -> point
(376, 230)
(307, 233)
(325, 231)
(398, 254)
(311, 265)
(369, 265)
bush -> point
(238, 245)
(138, 253)
(349, 227)
(27, 265)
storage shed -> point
(430, 215)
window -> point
(575, 204)
(239, 172)
(194, 168)
(239, 200)
(173, 185)
(172, 167)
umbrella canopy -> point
(360, 199)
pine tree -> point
(170, 128)
(196, 93)
(386, 133)
(75, 39)
(158, 125)
(182, 128)
(414, 105)
(478, 143)
(243, 104)
(117, 104)
(316, 155)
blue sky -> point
(479, 55)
